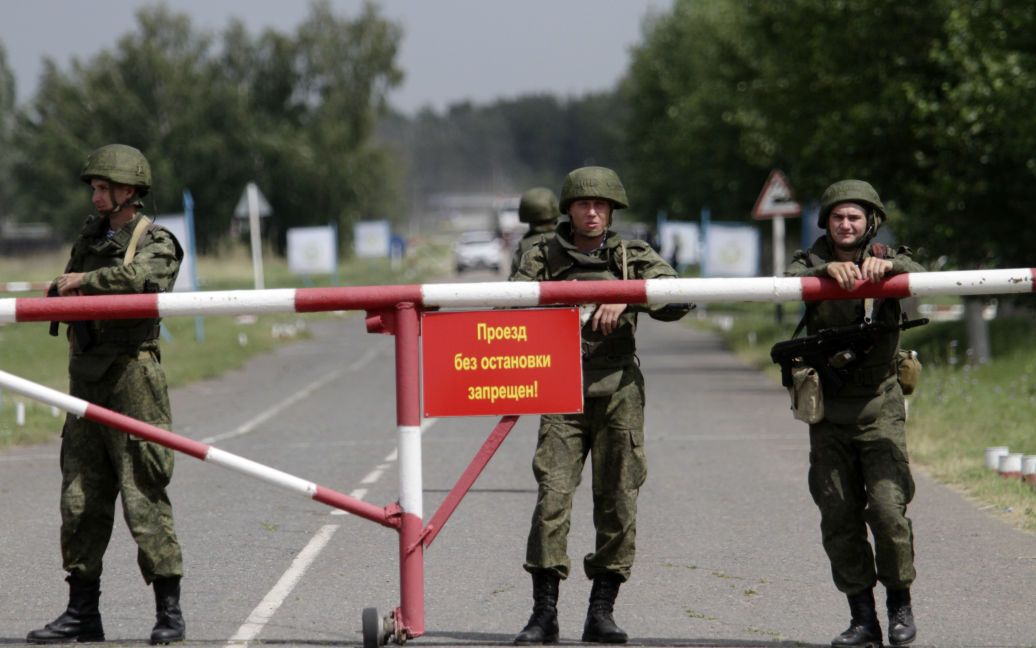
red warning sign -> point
(500, 362)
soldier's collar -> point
(566, 236)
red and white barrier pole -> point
(84, 409)
(494, 294)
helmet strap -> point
(116, 206)
(868, 234)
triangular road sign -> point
(776, 198)
(241, 210)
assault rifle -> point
(833, 351)
(82, 334)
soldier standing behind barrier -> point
(539, 208)
(611, 427)
(859, 474)
(118, 251)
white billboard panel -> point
(312, 250)
(732, 250)
(680, 240)
(371, 239)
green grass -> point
(27, 351)
(959, 409)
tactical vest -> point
(564, 262)
(879, 363)
(111, 338)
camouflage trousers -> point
(99, 463)
(611, 431)
(859, 476)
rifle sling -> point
(131, 247)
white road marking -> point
(372, 476)
(263, 612)
(269, 413)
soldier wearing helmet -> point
(113, 165)
(859, 473)
(539, 208)
(116, 363)
(584, 248)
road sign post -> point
(253, 205)
(775, 202)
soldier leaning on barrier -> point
(859, 473)
(118, 251)
(611, 427)
(539, 208)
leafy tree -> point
(685, 124)
(928, 101)
(970, 192)
(293, 112)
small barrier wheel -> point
(373, 628)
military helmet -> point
(593, 182)
(538, 205)
(121, 164)
(855, 191)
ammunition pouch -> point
(807, 394)
(908, 370)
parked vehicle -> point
(477, 249)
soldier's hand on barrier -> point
(606, 317)
(845, 273)
(874, 269)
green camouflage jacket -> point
(154, 269)
(556, 258)
(877, 365)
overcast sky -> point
(452, 50)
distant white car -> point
(477, 249)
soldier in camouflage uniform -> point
(116, 364)
(859, 474)
(611, 427)
(539, 208)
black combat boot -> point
(80, 622)
(600, 626)
(864, 631)
(169, 625)
(542, 627)
(901, 617)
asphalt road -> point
(728, 546)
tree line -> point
(928, 101)
(294, 112)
